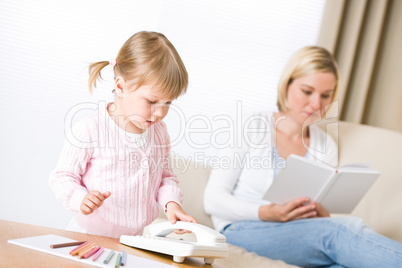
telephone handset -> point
(205, 235)
(210, 243)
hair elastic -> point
(112, 62)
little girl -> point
(114, 168)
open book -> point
(338, 190)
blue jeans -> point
(317, 242)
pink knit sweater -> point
(98, 155)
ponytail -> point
(146, 57)
(95, 72)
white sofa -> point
(381, 207)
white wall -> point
(233, 50)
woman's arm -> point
(218, 197)
(219, 201)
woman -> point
(301, 231)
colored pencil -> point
(123, 258)
(75, 250)
(98, 253)
(81, 254)
(118, 261)
(84, 248)
(91, 252)
(109, 257)
(67, 244)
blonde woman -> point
(299, 232)
(114, 169)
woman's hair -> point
(147, 57)
(308, 60)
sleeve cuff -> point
(76, 200)
(254, 211)
(165, 200)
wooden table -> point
(17, 256)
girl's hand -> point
(92, 201)
(294, 210)
(174, 212)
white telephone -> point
(210, 243)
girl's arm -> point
(169, 190)
(65, 179)
(175, 212)
(169, 195)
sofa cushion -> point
(381, 207)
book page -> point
(356, 165)
(347, 190)
(301, 177)
(361, 167)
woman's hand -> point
(175, 212)
(294, 210)
(321, 212)
(92, 201)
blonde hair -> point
(308, 60)
(144, 58)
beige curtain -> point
(366, 38)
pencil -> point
(98, 253)
(81, 255)
(91, 252)
(123, 258)
(109, 257)
(67, 244)
(117, 261)
(84, 248)
(75, 250)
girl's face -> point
(308, 96)
(143, 107)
